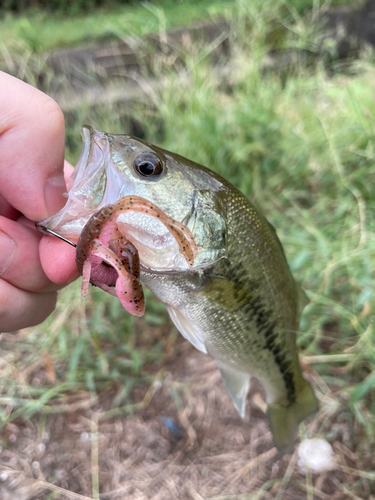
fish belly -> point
(244, 342)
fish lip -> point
(89, 145)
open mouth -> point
(107, 259)
(98, 181)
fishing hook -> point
(49, 231)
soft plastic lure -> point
(107, 259)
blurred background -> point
(278, 97)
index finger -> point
(32, 136)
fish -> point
(236, 299)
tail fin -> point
(284, 420)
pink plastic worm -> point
(93, 249)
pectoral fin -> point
(237, 384)
(190, 331)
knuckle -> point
(52, 114)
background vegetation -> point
(43, 30)
(297, 138)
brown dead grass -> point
(83, 454)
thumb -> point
(32, 137)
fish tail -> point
(284, 420)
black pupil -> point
(146, 168)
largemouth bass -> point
(238, 300)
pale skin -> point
(32, 267)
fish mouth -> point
(97, 181)
(102, 176)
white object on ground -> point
(317, 455)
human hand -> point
(32, 267)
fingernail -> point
(53, 193)
(7, 247)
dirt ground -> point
(185, 442)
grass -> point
(43, 31)
(301, 145)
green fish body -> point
(239, 303)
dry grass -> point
(211, 453)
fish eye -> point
(148, 165)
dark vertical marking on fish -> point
(265, 327)
(273, 346)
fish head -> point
(112, 166)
